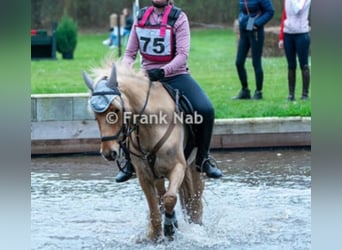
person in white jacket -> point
(295, 38)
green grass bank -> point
(211, 62)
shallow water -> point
(262, 202)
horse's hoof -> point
(170, 224)
(169, 230)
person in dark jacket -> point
(128, 22)
(253, 15)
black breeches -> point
(297, 45)
(202, 106)
(253, 40)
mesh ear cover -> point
(100, 103)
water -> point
(262, 202)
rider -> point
(165, 60)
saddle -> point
(183, 105)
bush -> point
(66, 35)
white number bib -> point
(153, 46)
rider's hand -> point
(281, 44)
(156, 74)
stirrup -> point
(211, 169)
(210, 159)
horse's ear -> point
(113, 82)
(88, 81)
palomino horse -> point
(127, 106)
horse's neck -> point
(134, 95)
(158, 104)
(137, 94)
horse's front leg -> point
(160, 185)
(155, 228)
(170, 199)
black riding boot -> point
(243, 94)
(209, 168)
(203, 134)
(126, 173)
(291, 78)
(306, 82)
(257, 95)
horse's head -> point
(106, 102)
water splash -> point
(258, 204)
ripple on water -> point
(260, 206)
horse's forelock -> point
(117, 102)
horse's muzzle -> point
(110, 155)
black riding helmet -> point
(160, 5)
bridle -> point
(124, 135)
(115, 91)
(124, 131)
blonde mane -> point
(134, 85)
(124, 72)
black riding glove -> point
(156, 74)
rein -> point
(149, 156)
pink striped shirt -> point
(295, 17)
(178, 65)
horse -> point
(123, 99)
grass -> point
(211, 62)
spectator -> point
(295, 39)
(128, 22)
(113, 40)
(253, 15)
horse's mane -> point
(134, 84)
(125, 73)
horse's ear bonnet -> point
(100, 103)
(104, 92)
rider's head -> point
(161, 3)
